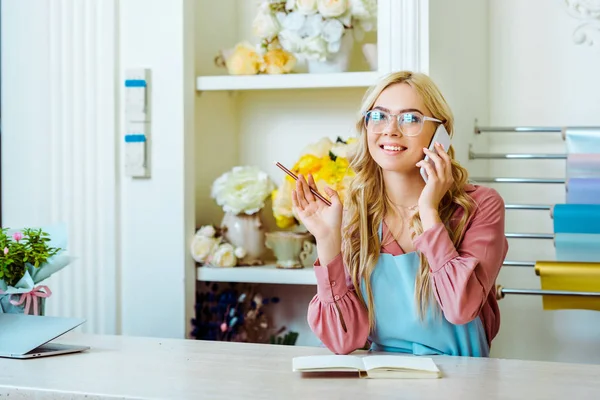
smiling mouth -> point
(392, 149)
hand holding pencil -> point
(322, 218)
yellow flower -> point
(244, 60)
(327, 169)
(278, 61)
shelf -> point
(286, 81)
(262, 274)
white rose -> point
(332, 8)
(202, 247)
(207, 230)
(333, 30)
(265, 25)
(224, 256)
(306, 7)
(242, 190)
(319, 149)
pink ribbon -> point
(40, 291)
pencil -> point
(290, 173)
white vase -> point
(245, 231)
(337, 62)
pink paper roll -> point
(583, 165)
(583, 191)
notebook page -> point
(400, 362)
(327, 362)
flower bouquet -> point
(316, 30)
(242, 190)
(242, 193)
(27, 258)
(328, 163)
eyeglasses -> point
(409, 123)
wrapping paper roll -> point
(583, 165)
(572, 276)
(583, 191)
(583, 140)
(576, 218)
(583, 247)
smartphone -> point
(442, 137)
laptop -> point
(27, 336)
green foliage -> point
(289, 339)
(22, 248)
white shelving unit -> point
(287, 81)
(261, 274)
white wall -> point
(538, 76)
(157, 275)
(58, 150)
(25, 113)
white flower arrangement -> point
(313, 28)
(208, 247)
(244, 189)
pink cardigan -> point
(463, 279)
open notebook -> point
(376, 366)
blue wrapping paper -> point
(583, 165)
(583, 191)
(576, 218)
(582, 247)
(583, 140)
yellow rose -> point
(244, 60)
(278, 61)
(308, 164)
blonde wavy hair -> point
(367, 203)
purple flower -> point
(5, 250)
(17, 236)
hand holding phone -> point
(442, 137)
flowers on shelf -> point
(242, 193)
(237, 313)
(313, 29)
(245, 59)
(210, 248)
(242, 190)
(28, 257)
(328, 162)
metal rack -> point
(500, 290)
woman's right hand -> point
(322, 221)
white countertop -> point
(151, 368)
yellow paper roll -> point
(571, 276)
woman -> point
(408, 266)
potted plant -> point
(27, 258)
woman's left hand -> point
(439, 179)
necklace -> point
(410, 208)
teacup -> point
(288, 247)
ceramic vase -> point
(245, 231)
(337, 62)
